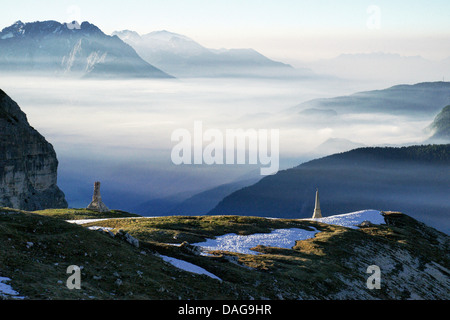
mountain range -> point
(84, 50)
(183, 57)
(334, 145)
(423, 98)
(53, 48)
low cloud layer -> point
(120, 131)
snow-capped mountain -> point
(183, 57)
(163, 40)
(71, 49)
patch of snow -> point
(100, 228)
(7, 291)
(280, 238)
(84, 221)
(353, 219)
(189, 267)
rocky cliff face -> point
(28, 163)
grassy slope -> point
(332, 265)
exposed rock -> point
(128, 238)
(365, 223)
(28, 163)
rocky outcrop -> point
(28, 163)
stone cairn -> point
(97, 203)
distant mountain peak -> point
(126, 32)
(18, 24)
(184, 57)
(16, 29)
(166, 35)
(336, 145)
(164, 32)
(48, 27)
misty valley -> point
(120, 132)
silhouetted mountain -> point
(183, 57)
(421, 98)
(198, 204)
(49, 47)
(409, 179)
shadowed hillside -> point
(410, 179)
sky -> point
(290, 29)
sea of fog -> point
(119, 131)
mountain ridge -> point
(398, 99)
(63, 49)
(28, 163)
(366, 177)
